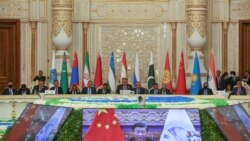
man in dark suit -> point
(40, 88)
(139, 89)
(74, 90)
(239, 90)
(124, 86)
(218, 80)
(140, 132)
(10, 90)
(247, 77)
(165, 90)
(233, 79)
(24, 90)
(205, 90)
(40, 76)
(57, 88)
(89, 89)
(104, 89)
(155, 89)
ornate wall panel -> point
(42, 48)
(233, 47)
(217, 40)
(81, 10)
(220, 10)
(25, 53)
(239, 9)
(14, 9)
(132, 38)
(175, 13)
(129, 11)
(38, 9)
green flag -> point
(64, 75)
(151, 73)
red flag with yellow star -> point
(104, 127)
(167, 75)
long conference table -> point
(12, 106)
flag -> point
(111, 75)
(74, 74)
(86, 74)
(137, 70)
(64, 75)
(181, 82)
(53, 73)
(104, 127)
(98, 72)
(167, 75)
(151, 73)
(124, 70)
(211, 74)
(196, 77)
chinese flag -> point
(167, 75)
(98, 72)
(181, 83)
(104, 127)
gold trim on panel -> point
(33, 49)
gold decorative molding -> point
(196, 22)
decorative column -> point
(33, 50)
(173, 27)
(85, 39)
(61, 29)
(225, 30)
(196, 34)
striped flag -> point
(74, 74)
(124, 69)
(151, 73)
(64, 75)
(211, 74)
(111, 75)
(53, 72)
(137, 70)
(86, 74)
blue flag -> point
(53, 72)
(111, 75)
(196, 77)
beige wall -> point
(147, 22)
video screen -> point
(152, 124)
(233, 121)
(38, 122)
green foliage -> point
(136, 106)
(210, 131)
(72, 128)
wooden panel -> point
(9, 52)
(244, 46)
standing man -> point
(124, 86)
(10, 90)
(233, 79)
(247, 77)
(218, 80)
(57, 88)
(40, 76)
(205, 90)
(89, 89)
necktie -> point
(104, 91)
(205, 91)
(89, 91)
(56, 90)
(10, 91)
(156, 92)
(239, 92)
(124, 87)
(138, 91)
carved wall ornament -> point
(196, 22)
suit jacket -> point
(243, 91)
(209, 91)
(85, 90)
(100, 91)
(120, 87)
(152, 91)
(72, 92)
(36, 89)
(7, 92)
(141, 91)
(146, 139)
(23, 91)
(233, 81)
(224, 82)
(167, 91)
(43, 78)
(60, 90)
